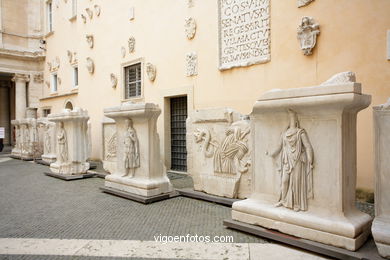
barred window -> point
(133, 81)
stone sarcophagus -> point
(381, 224)
(218, 152)
(71, 142)
(304, 163)
(139, 170)
(49, 140)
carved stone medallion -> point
(151, 71)
(90, 65)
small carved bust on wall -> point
(190, 28)
(89, 38)
(114, 80)
(90, 65)
(131, 43)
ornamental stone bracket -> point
(139, 168)
(304, 164)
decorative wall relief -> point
(191, 64)
(302, 3)
(190, 28)
(38, 78)
(97, 10)
(89, 12)
(131, 43)
(244, 33)
(90, 40)
(190, 3)
(307, 34)
(114, 80)
(296, 166)
(83, 18)
(110, 137)
(218, 152)
(72, 57)
(123, 51)
(54, 64)
(59, 80)
(111, 147)
(151, 71)
(90, 65)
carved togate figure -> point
(132, 159)
(296, 166)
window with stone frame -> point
(49, 10)
(74, 8)
(54, 82)
(133, 81)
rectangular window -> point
(133, 81)
(46, 112)
(54, 81)
(75, 77)
(49, 16)
(74, 7)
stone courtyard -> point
(35, 207)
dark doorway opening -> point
(178, 133)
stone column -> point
(71, 142)
(304, 163)
(381, 224)
(20, 94)
(139, 169)
(16, 151)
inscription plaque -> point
(244, 33)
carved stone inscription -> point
(244, 33)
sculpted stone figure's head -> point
(61, 124)
(293, 118)
(129, 123)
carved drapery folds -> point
(131, 149)
(295, 166)
(307, 34)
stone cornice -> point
(22, 55)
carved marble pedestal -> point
(71, 143)
(304, 163)
(381, 224)
(139, 169)
(49, 140)
(218, 153)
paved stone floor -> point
(37, 211)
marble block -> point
(49, 140)
(17, 149)
(381, 224)
(71, 142)
(304, 163)
(139, 169)
(218, 152)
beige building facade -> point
(186, 55)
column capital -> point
(21, 77)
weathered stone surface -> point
(109, 145)
(304, 165)
(244, 33)
(48, 140)
(218, 152)
(381, 224)
(139, 169)
(71, 142)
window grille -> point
(178, 134)
(133, 81)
